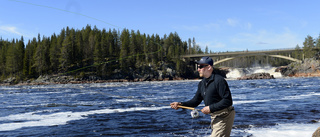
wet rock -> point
(256, 76)
(10, 80)
(306, 68)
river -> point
(275, 107)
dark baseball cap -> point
(206, 60)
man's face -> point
(202, 68)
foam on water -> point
(53, 105)
(235, 73)
(239, 72)
(296, 97)
(33, 119)
(302, 96)
(248, 101)
(285, 130)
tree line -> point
(91, 51)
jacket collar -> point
(206, 81)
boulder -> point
(256, 76)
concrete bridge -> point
(237, 54)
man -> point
(213, 89)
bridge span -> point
(232, 55)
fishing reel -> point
(194, 113)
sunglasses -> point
(202, 66)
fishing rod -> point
(87, 16)
(115, 60)
(194, 113)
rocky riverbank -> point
(307, 68)
(147, 74)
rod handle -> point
(191, 108)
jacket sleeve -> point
(225, 94)
(196, 100)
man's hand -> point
(175, 105)
(205, 110)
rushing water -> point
(276, 107)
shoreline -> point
(90, 82)
(300, 75)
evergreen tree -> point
(151, 48)
(297, 53)
(79, 44)
(88, 46)
(139, 47)
(29, 67)
(111, 44)
(145, 48)
(20, 56)
(10, 59)
(98, 53)
(41, 58)
(104, 44)
(206, 50)
(133, 49)
(318, 43)
(189, 46)
(308, 47)
(3, 50)
(158, 49)
(54, 54)
(73, 49)
(67, 56)
(124, 53)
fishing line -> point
(194, 113)
(93, 19)
(110, 61)
(66, 11)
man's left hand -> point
(205, 110)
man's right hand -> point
(175, 105)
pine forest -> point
(111, 54)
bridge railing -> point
(231, 53)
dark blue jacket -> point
(214, 91)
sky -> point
(229, 25)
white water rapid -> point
(239, 72)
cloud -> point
(248, 26)
(203, 27)
(304, 24)
(264, 39)
(214, 46)
(212, 26)
(10, 29)
(217, 26)
(261, 43)
(189, 28)
(239, 24)
(232, 22)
